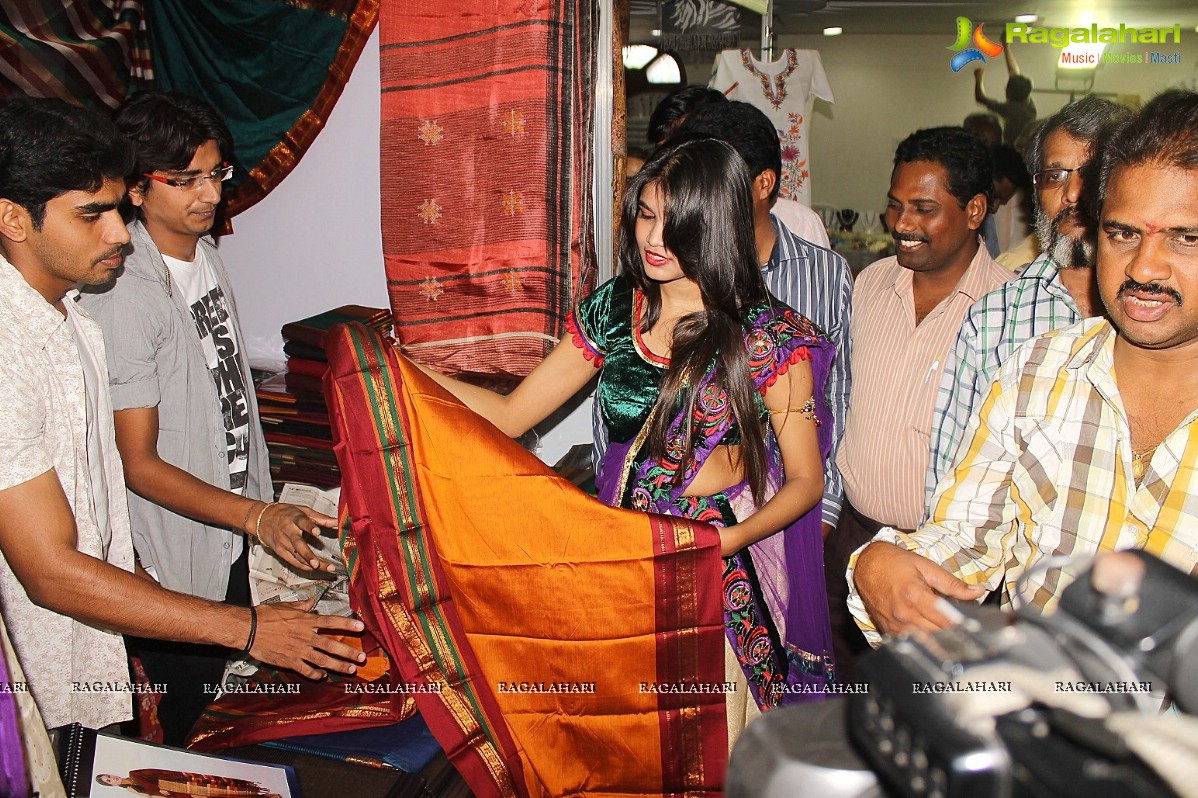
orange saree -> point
(555, 646)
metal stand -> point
(767, 32)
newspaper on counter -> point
(273, 581)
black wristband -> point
(253, 630)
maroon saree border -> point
(359, 390)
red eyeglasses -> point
(195, 182)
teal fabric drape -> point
(273, 68)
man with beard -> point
(1055, 290)
(1086, 442)
(906, 312)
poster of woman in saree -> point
(712, 393)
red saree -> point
(570, 647)
(485, 147)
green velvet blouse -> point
(604, 327)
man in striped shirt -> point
(1056, 290)
(1088, 441)
(906, 311)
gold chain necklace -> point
(1140, 461)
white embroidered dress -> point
(784, 89)
(74, 671)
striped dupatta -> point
(563, 647)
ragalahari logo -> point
(982, 48)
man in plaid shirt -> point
(1088, 440)
(1056, 290)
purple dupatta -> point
(14, 780)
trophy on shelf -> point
(847, 217)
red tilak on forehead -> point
(1152, 228)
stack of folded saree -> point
(295, 424)
(555, 646)
(295, 416)
(303, 343)
(486, 129)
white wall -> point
(314, 243)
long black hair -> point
(706, 188)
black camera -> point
(1006, 704)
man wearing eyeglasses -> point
(1056, 290)
(186, 419)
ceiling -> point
(795, 17)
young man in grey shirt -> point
(186, 419)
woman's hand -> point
(732, 540)
(802, 463)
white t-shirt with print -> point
(196, 281)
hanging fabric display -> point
(273, 68)
(91, 53)
(784, 89)
(487, 125)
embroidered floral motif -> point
(430, 289)
(754, 646)
(736, 589)
(761, 349)
(513, 123)
(713, 405)
(674, 449)
(512, 282)
(773, 87)
(429, 211)
(794, 171)
(431, 133)
(513, 203)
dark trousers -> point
(185, 668)
(848, 644)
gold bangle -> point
(258, 520)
